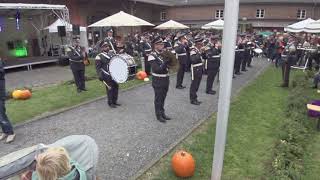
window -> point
(163, 16)
(260, 13)
(219, 14)
(301, 14)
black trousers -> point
(79, 78)
(112, 89)
(160, 86)
(180, 74)
(245, 61)
(210, 78)
(249, 61)
(195, 83)
(238, 61)
(4, 121)
(147, 65)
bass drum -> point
(122, 67)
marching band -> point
(199, 53)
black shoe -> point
(238, 73)
(112, 106)
(244, 70)
(117, 104)
(161, 119)
(180, 87)
(249, 66)
(195, 102)
(84, 89)
(79, 90)
(211, 92)
(166, 117)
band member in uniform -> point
(168, 43)
(102, 68)
(196, 69)
(212, 63)
(110, 39)
(146, 50)
(7, 129)
(160, 79)
(76, 55)
(181, 53)
(238, 56)
(246, 53)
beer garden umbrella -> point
(121, 19)
(299, 26)
(313, 27)
(171, 25)
(218, 24)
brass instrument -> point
(168, 55)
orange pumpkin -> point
(16, 94)
(141, 75)
(26, 94)
(183, 164)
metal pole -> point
(231, 11)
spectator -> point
(55, 163)
(7, 129)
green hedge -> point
(296, 132)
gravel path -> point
(129, 137)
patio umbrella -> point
(313, 27)
(299, 26)
(171, 25)
(218, 24)
(121, 19)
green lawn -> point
(256, 115)
(58, 96)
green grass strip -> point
(255, 117)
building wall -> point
(272, 12)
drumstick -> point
(106, 85)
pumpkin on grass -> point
(183, 164)
(16, 94)
(26, 94)
(21, 94)
(141, 75)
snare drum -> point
(122, 67)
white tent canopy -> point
(121, 19)
(53, 28)
(313, 27)
(171, 25)
(299, 26)
(218, 24)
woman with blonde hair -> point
(55, 164)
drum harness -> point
(104, 71)
(74, 50)
(195, 65)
